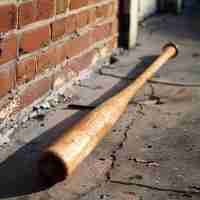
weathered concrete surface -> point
(151, 153)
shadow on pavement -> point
(19, 172)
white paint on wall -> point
(133, 29)
(137, 11)
(147, 8)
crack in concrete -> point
(119, 147)
(184, 192)
(114, 159)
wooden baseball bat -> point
(62, 157)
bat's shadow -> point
(19, 172)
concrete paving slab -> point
(151, 153)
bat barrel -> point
(61, 158)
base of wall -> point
(36, 98)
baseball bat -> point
(61, 158)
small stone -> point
(33, 114)
(10, 132)
(4, 140)
(42, 125)
(41, 115)
(45, 105)
(25, 119)
(104, 196)
(52, 103)
(15, 126)
(101, 196)
(154, 126)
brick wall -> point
(41, 39)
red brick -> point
(115, 7)
(72, 47)
(112, 9)
(67, 49)
(7, 78)
(83, 41)
(105, 11)
(26, 70)
(111, 44)
(92, 16)
(8, 48)
(58, 29)
(61, 6)
(26, 13)
(115, 26)
(34, 91)
(83, 62)
(100, 11)
(46, 59)
(114, 42)
(90, 2)
(45, 9)
(102, 31)
(8, 17)
(76, 4)
(82, 19)
(34, 39)
(70, 24)
(60, 53)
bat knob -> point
(172, 45)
